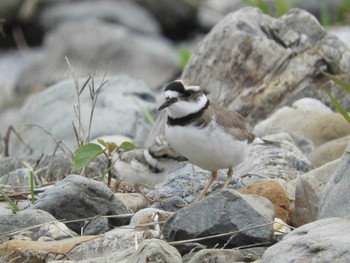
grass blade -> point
(31, 180)
(338, 107)
(345, 86)
(9, 200)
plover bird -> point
(148, 167)
(208, 135)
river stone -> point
(254, 63)
(223, 212)
(126, 13)
(91, 197)
(334, 198)
(22, 220)
(93, 46)
(322, 241)
(117, 111)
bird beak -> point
(167, 103)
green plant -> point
(9, 201)
(86, 153)
(345, 86)
(185, 55)
(276, 8)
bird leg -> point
(149, 200)
(213, 177)
(229, 177)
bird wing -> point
(233, 123)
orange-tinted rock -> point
(275, 193)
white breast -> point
(209, 148)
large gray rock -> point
(31, 219)
(117, 111)
(322, 241)
(95, 46)
(77, 197)
(334, 200)
(254, 63)
(126, 13)
(308, 191)
(223, 212)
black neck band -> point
(187, 119)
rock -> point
(142, 218)
(275, 193)
(322, 241)
(93, 198)
(341, 32)
(226, 211)
(98, 225)
(134, 54)
(113, 241)
(282, 160)
(40, 223)
(19, 179)
(309, 188)
(155, 250)
(18, 251)
(221, 255)
(317, 127)
(177, 18)
(334, 201)
(134, 201)
(120, 256)
(117, 111)
(128, 14)
(329, 151)
(255, 64)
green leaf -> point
(338, 107)
(345, 86)
(127, 146)
(102, 142)
(85, 154)
(185, 55)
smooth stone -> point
(92, 197)
(221, 255)
(128, 14)
(334, 200)
(322, 241)
(117, 110)
(136, 55)
(223, 212)
(329, 151)
(134, 201)
(37, 251)
(142, 218)
(275, 193)
(35, 219)
(308, 191)
(318, 127)
(155, 250)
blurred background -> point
(147, 39)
